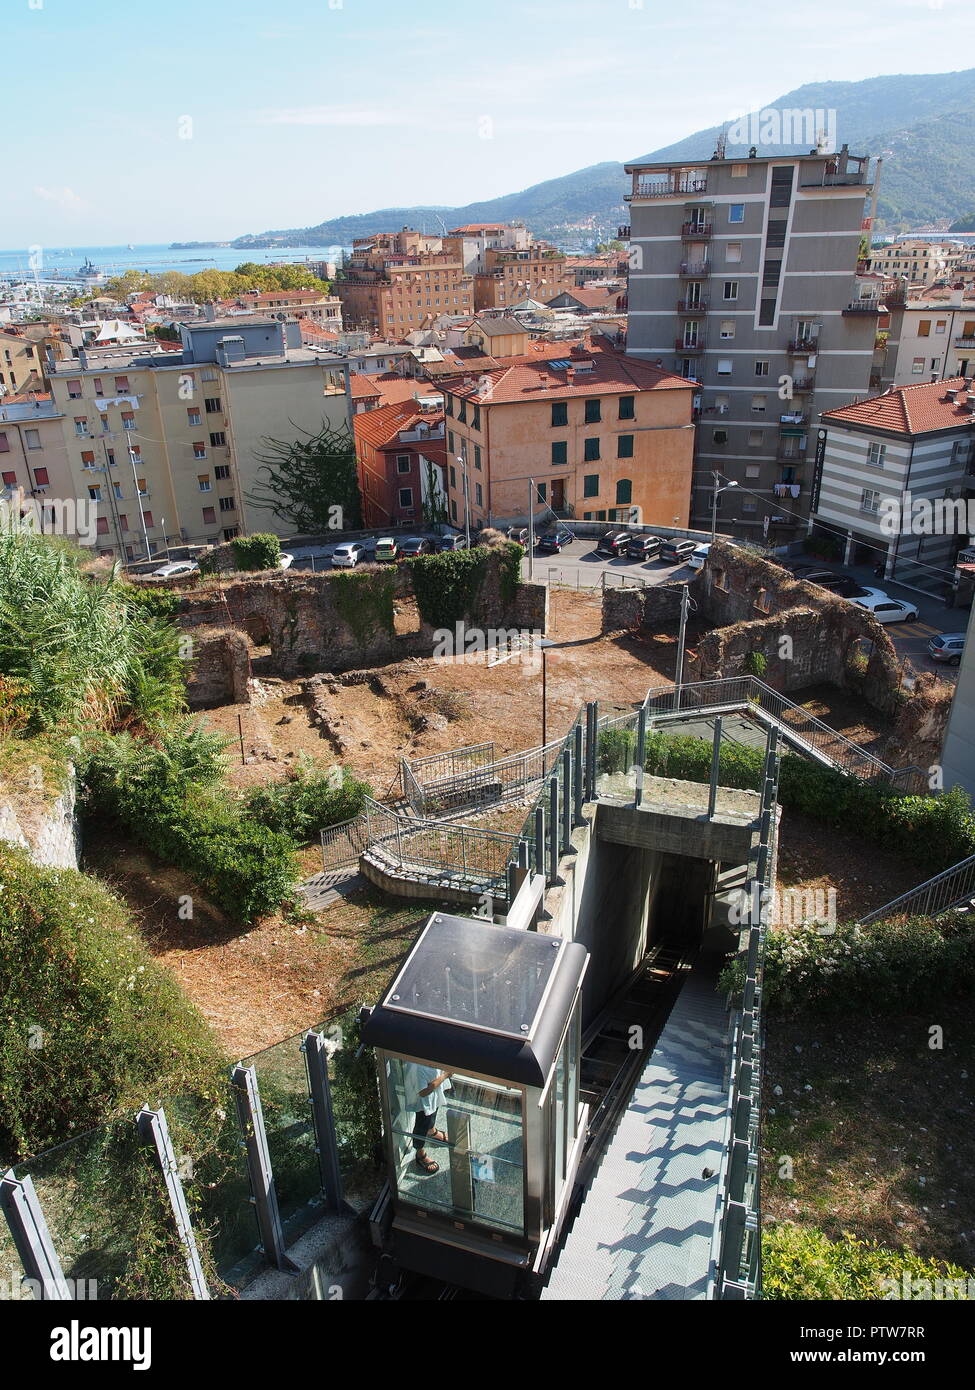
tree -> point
(312, 483)
(434, 507)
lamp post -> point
(687, 605)
(544, 643)
(462, 460)
(714, 502)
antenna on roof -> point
(721, 145)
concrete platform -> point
(648, 1213)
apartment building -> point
(601, 435)
(325, 310)
(22, 362)
(512, 275)
(473, 241)
(400, 449)
(895, 475)
(919, 262)
(396, 282)
(932, 335)
(744, 277)
(169, 440)
(33, 454)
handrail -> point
(958, 883)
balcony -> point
(623, 233)
(786, 451)
(692, 306)
(965, 341)
(695, 270)
(686, 348)
(696, 231)
(802, 346)
(793, 419)
(803, 383)
(667, 188)
(850, 179)
(867, 305)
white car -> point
(696, 559)
(286, 561)
(174, 567)
(887, 610)
(348, 556)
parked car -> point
(643, 547)
(555, 540)
(947, 647)
(387, 550)
(413, 546)
(866, 594)
(844, 585)
(676, 552)
(519, 534)
(888, 610)
(175, 567)
(347, 556)
(698, 556)
(447, 543)
(614, 543)
(285, 560)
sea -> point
(64, 262)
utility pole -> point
(138, 498)
(531, 531)
(687, 605)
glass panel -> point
(356, 1111)
(472, 1130)
(487, 977)
(283, 1083)
(559, 1120)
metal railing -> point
(464, 855)
(951, 888)
(342, 844)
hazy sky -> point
(192, 119)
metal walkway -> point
(648, 1214)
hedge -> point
(259, 552)
(310, 799)
(801, 1262)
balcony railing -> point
(870, 305)
(785, 454)
(696, 345)
(793, 418)
(851, 178)
(667, 188)
(696, 231)
(695, 270)
(692, 306)
(802, 345)
(623, 232)
(965, 340)
(803, 383)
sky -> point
(183, 120)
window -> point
(212, 405)
(731, 289)
(74, 390)
(121, 385)
(403, 463)
(478, 494)
(624, 490)
(755, 438)
(450, 405)
(222, 471)
(748, 504)
(406, 497)
(199, 450)
(541, 489)
(736, 212)
(97, 383)
(627, 407)
(724, 366)
(147, 518)
(462, 413)
(80, 426)
(4, 444)
(477, 457)
(917, 367)
(876, 455)
(560, 452)
(752, 470)
(123, 522)
(924, 328)
(766, 313)
(590, 485)
(41, 478)
(87, 458)
(869, 500)
(203, 479)
(476, 420)
(128, 420)
(193, 416)
(590, 449)
(453, 511)
(761, 366)
(732, 252)
(450, 441)
(592, 416)
(209, 515)
(727, 328)
(940, 325)
(739, 171)
(720, 436)
(9, 479)
(624, 446)
(227, 504)
(453, 476)
(230, 531)
(968, 331)
(560, 413)
(101, 526)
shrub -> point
(756, 663)
(801, 1262)
(90, 1026)
(259, 552)
(364, 601)
(447, 586)
(310, 799)
(616, 750)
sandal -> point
(439, 1135)
(427, 1165)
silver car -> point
(347, 556)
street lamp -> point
(714, 502)
(543, 644)
(462, 460)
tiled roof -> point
(532, 378)
(381, 427)
(389, 387)
(478, 227)
(910, 410)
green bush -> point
(800, 1262)
(616, 750)
(364, 601)
(169, 798)
(447, 586)
(258, 552)
(90, 1026)
(756, 663)
(310, 799)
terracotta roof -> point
(596, 298)
(478, 227)
(381, 427)
(389, 387)
(363, 388)
(532, 378)
(910, 410)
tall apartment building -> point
(473, 241)
(397, 282)
(168, 442)
(744, 277)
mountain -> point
(920, 124)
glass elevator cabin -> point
(477, 1045)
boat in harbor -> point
(88, 271)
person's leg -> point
(423, 1126)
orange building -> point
(600, 433)
(397, 282)
(535, 272)
(400, 451)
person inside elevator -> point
(427, 1088)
